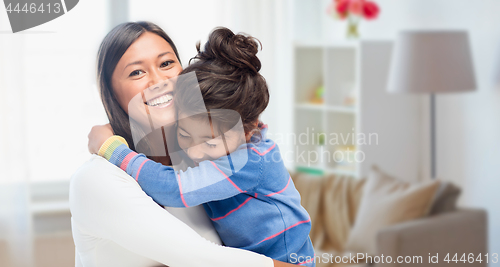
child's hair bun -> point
(227, 75)
(236, 49)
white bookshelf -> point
(351, 69)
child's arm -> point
(210, 181)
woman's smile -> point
(162, 101)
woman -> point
(126, 227)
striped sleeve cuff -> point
(109, 146)
(115, 150)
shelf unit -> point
(353, 75)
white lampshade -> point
(431, 62)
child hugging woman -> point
(235, 172)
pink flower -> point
(356, 7)
(370, 10)
(342, 7)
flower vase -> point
(352, 28)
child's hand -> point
(98, 135)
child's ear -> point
(249, 135)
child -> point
(239, 178)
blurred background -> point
(323, 85)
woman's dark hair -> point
(228, 76)
(112, 48)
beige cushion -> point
(445, 199)
(387, 201)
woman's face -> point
(141, 82)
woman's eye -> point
(166, 63)
(136, 72)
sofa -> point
(459, 231)
(366, 221)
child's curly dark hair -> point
(227, 72)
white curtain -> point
(15, 228)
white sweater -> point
(116, 224)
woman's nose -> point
(155, 78)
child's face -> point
(195, 137)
